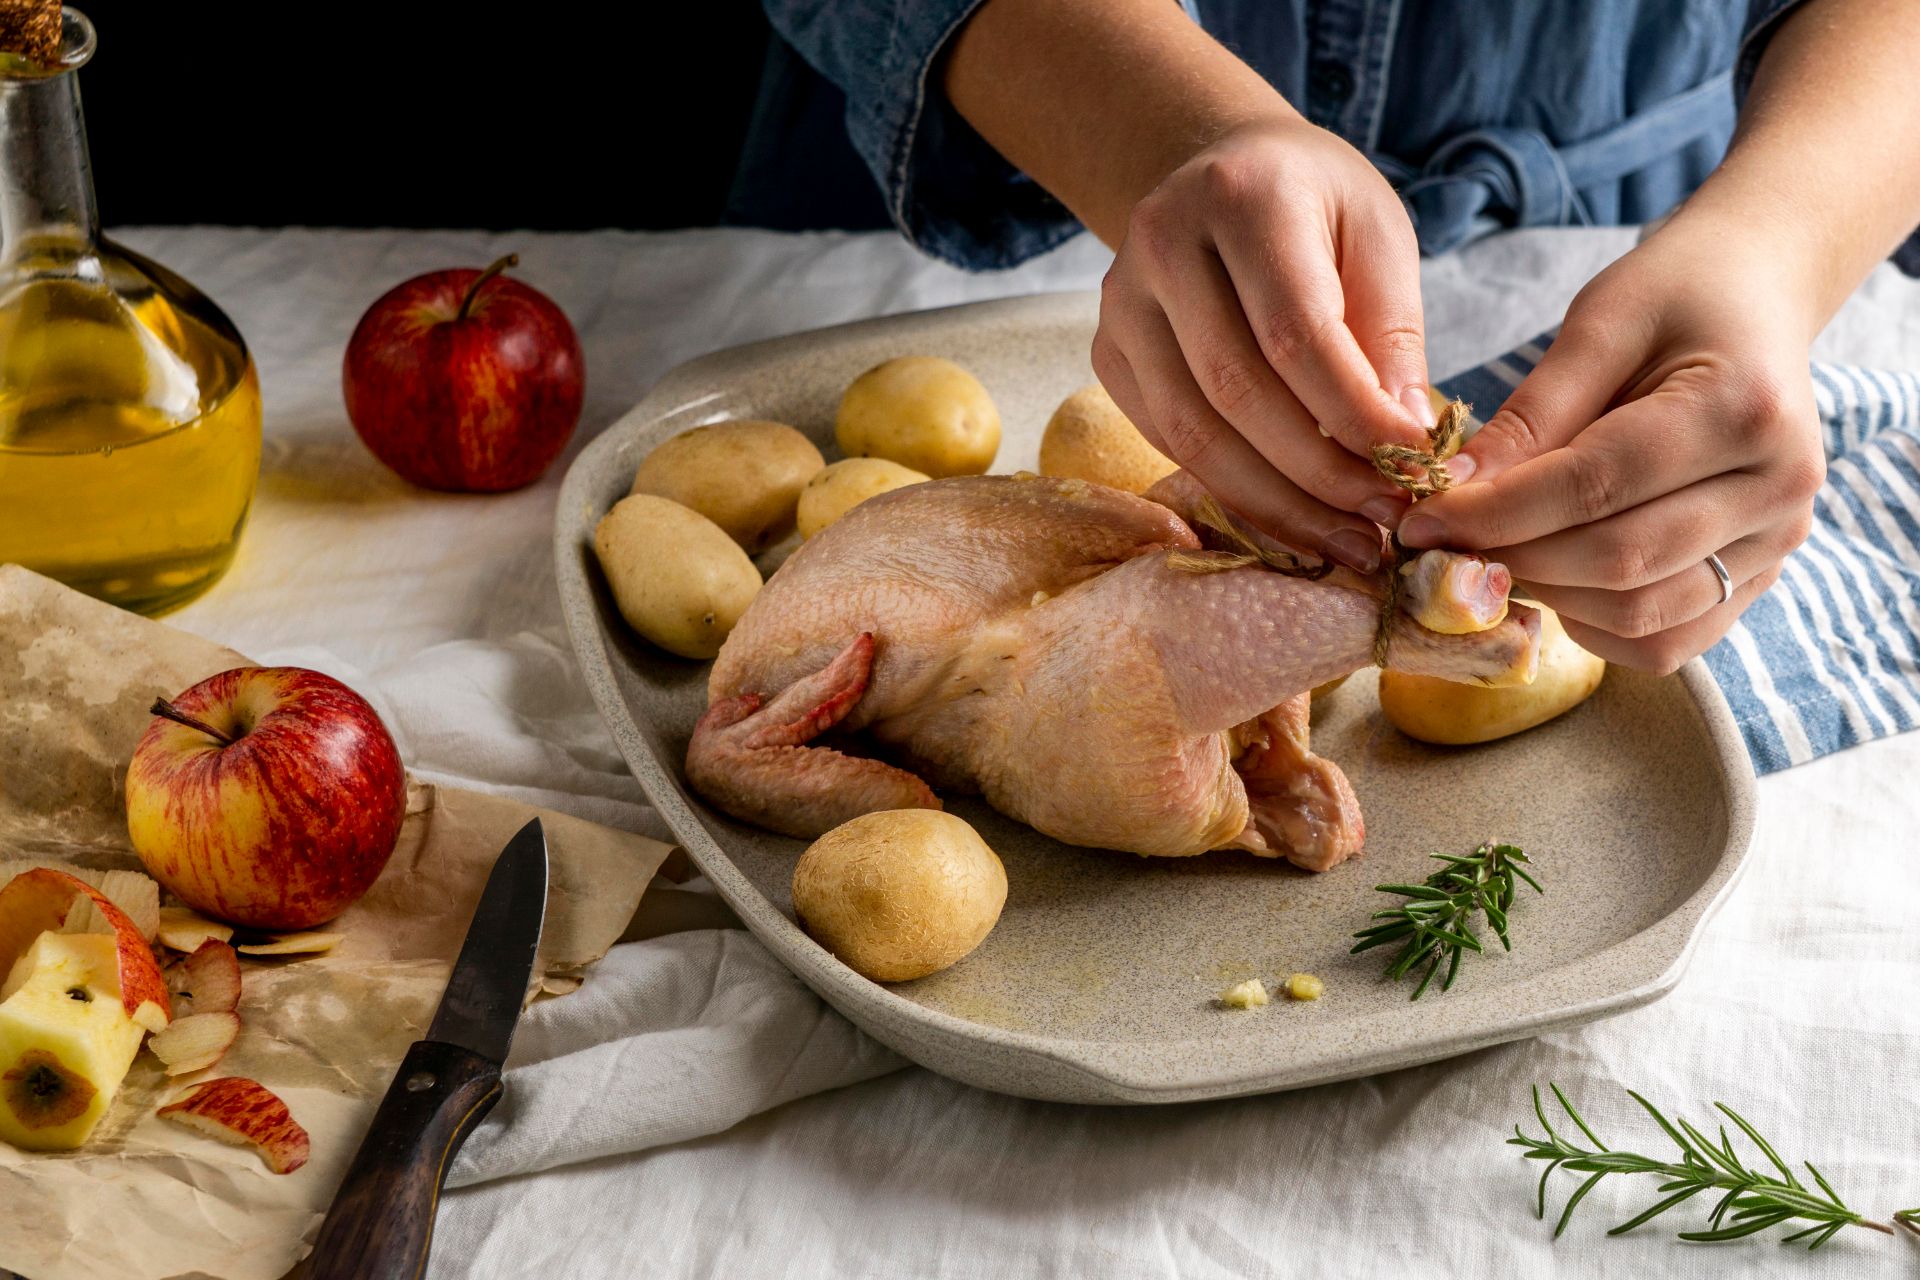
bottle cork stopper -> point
(31, 28)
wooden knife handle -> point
(381, 1224)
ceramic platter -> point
(1099, 983)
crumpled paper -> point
(146, 1199)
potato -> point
(921, 412)
(845, 485)
(1441, 711)
(1326, 690)
(744, 476)
(1088, 438)
(899, 894)
(679, 580)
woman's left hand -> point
(1672, 419)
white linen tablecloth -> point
(693, 1111)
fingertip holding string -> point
(1418, 401)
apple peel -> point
(208, 981)
(184, 929)
(38, 901)
(242, 1112)
(133, 892)
(195, 1042)
(292, 944)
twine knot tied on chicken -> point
(1422, 473)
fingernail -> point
(1418, 404)
(1383, 511)
(1354, 549)
(1422, 530)
(1461, 467)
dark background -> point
(423, 114)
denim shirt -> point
(1498, 113)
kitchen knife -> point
(381, 1222)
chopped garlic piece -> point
(1039, 598)
(1251, 994)
(1304, 986)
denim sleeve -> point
(1763, 19)
(947, 191)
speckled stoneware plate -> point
(1099, 983)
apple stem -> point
(161, 707)
(473, 290)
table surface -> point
(694, 1111)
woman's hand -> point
(1672, 419)
(1261, 325)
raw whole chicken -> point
(1081, 658)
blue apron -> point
(1490, 114)
(1484, 180)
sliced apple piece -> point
(66, 1040)
(208, 981)
(242, 1112)
(37, 901)
(84, 917)
(195, 1042)
(182, 929)
(292, 944)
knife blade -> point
(489, 982)
(381, 1222)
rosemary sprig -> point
(1435, 921)
(1908, 1218)
(1753, 1200)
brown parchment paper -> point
(146, 1199)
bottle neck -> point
(46, 184)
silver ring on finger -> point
(1726, 579)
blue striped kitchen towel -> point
(1830, 657)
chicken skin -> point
(1080, 657)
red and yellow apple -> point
(269, 797)
(73, 1010)
(465, 380)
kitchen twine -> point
(1422, 473)
(1210, 513)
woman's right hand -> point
(1261, 325)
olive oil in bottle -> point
(129, 407)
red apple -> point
(266, 796)
(465, 380)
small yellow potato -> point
(846, 484)
(900, 894)
(679, 580)
(1088, 438)
(744, 476)
(1323, 690)
(921, 412)
(1440, 711)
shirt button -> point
(1332, 81)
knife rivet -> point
(420, 1082)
